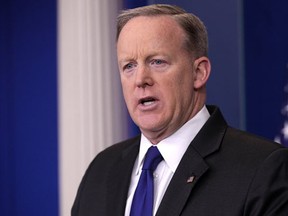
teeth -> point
(148, 103)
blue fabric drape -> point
(28, 108)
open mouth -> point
(147, 101)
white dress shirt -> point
(172, 149)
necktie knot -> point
(152, 159)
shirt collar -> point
(173, 147)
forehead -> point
(142, 21)
(151, 29)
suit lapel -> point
(119, 180)
(188, 173)
(192, 166)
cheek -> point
(127, 93)
(171, 95)
(182, 89)
(185, 82)
(125, 84)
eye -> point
(128, 67)
(157, 61)
(159, 64)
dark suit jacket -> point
(235, 173)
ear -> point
(202, 68)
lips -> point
(147, 101)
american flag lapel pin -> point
(190, 179)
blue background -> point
(266, 58)
(28, 108)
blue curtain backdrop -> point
(134, 3)
(266, 57)
(28, 108)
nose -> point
(143, 77)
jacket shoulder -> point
(117, 148)
(250, 141)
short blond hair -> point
(195, 30)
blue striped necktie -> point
(142, 204)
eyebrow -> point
(124, 61)
(151, 56)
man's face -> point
(157, 75)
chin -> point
(150, 127)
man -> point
(207, 168)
